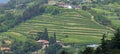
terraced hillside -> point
(79, 28)
(110, 12)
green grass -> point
(116, 23)
(79, 28)
(14, 35)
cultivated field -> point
(79, 28)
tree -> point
(52, 40)
(54, 47)
(116, 40)
(17, 47)
(64, 52)
(40, 35)
(85, 7)
(54, 37)
(26, 47)
(103, 45)
(115, 51)
(89, 50)
(30, 46)
(74, 3)
(43, 35)
(98, 50)
(46, 37)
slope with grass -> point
(78, 27)
(110, 12)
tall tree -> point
(54, 37)
(103, 44)
(40, 36)
(64, 52)
(46, 34)
(116, 40)
(98, 50)
(89, 50)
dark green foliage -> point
(100, 17)
(52, 10)
(66, 36)
(53, 49)
(43, 35)
(68, 51)
(7, 22)
(116, 40)
(64, 52)
(15, 49)
(54, 46)
(85, 7)
(40, 35)
(10, 20)
(55, 37)
(107, 1)
(13, 3)
(103, 45)
(46, 34)
(19, 47)
(115, 51)
(52, 40)
(89, 50)
(30, 46)
(110, 46)
(98, 50)
(74, 3)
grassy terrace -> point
(110, 13)
(80, 29)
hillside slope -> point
(76, 25)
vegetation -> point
(107, 46)
(22, 23)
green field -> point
(78, 27)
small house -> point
(6, 49)
(61, 4)
(93, 46)
(51, 2)
(7, 41)
(44, 43)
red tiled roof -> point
(43, 41)
(5, 48)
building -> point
(94, 46)
(61, 4)
(44, 43)
(52, 2)
(68, 6)
(6, 49)
(64, 5)
(7, 41)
